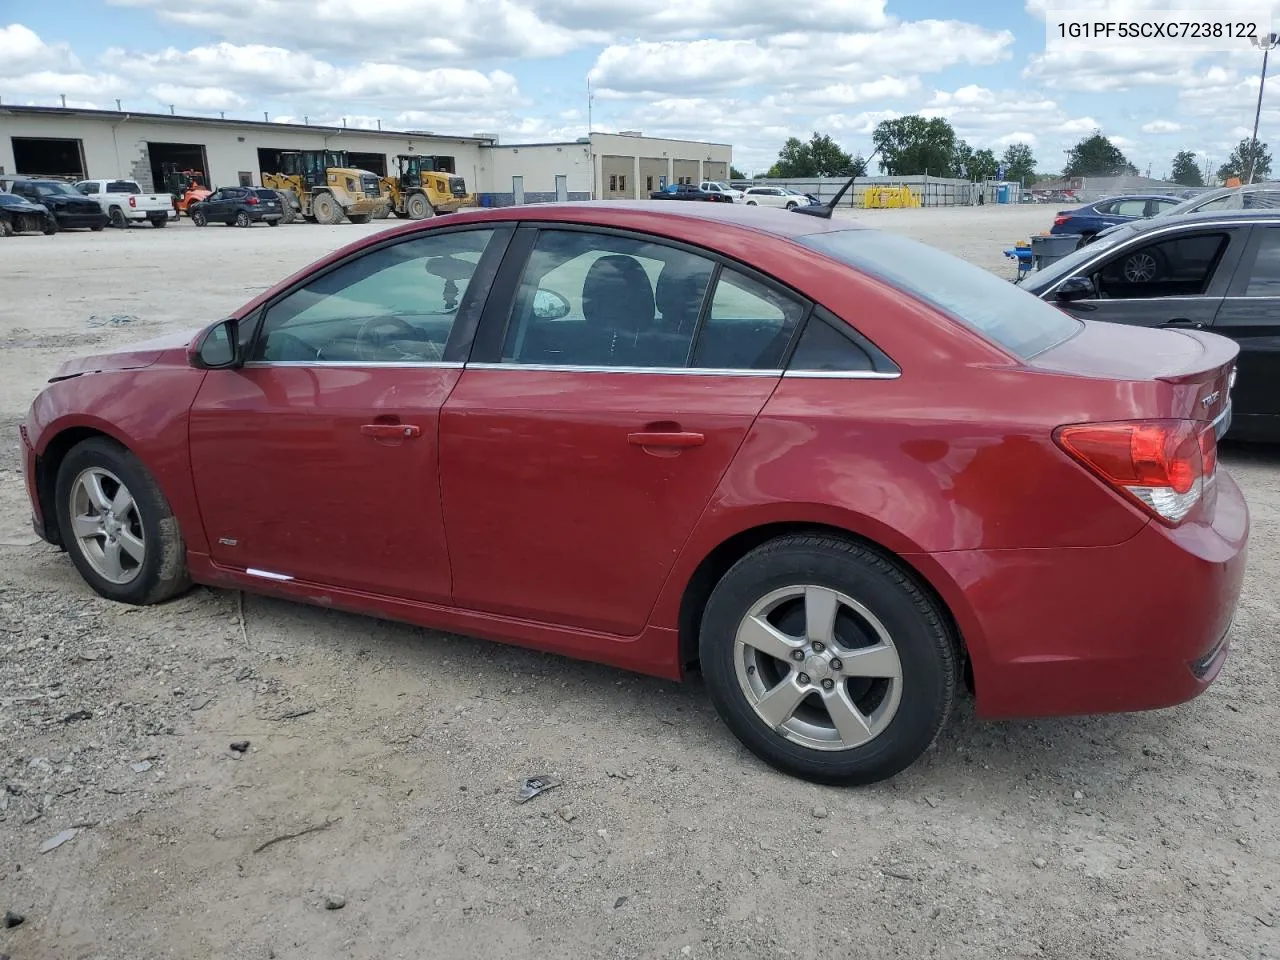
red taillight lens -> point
(1163, 465)
(251, 200)
(1059, 221)
(133, 202)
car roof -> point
(637, 214)
(1207, 218)
(1138, 196)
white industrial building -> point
(55, 141)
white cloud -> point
(1084, 125)
(1161, 126)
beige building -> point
(54, 141)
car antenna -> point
(827, 209)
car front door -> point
(1176, 279)
(212, 206)
(317, 461)
(604, 400)
(1250, 315)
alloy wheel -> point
(1140, 268)
(106, 525)
(818, 668)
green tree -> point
(1019, 163)
(820, 157)
(1185, 170)
(985, 165)
(736, 174)
(913, 145)
(1237, 164)
(1096, 156)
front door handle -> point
(391, 431)
(675, 438)
(1183, 322)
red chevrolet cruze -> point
(840, 470)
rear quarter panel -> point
(145, 410)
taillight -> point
(251, 200)
(133, 202)
(1162, 465)
(1059, 221)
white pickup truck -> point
(123, 201)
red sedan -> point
(842, 471)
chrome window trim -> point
(432, 364)
(581, 368)
(843, 374)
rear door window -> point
(1264, 277)
(748, 327)
(1130, 208)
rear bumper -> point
(258, 216)
(1136, 626)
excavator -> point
(321, 187)
(424, 186)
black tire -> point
(288, 213)
(242, 220)
(382, 212)
(273, 223)
(162, 574)
(200, 219)
(926, 652)
(118, 219)
(791, 204)
(160, 223)
(98, 229)
(752, 203)
(417, 207)
(50, 228)
(359, 217)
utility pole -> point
(1272, 41)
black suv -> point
(69, 207)
(238, 206)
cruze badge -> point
(1211, 399)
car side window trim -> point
(1240, 280)
(486, 351)
(884, 367)
(464, 325)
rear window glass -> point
(267, 194)
(1013, 318)
(122, 186)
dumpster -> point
(1050, 247)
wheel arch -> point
(716, 563)
(49, 461)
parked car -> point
(774, 197)
(689, 191)
(1255, 196)
(1216, 271)
(783, 486)
(69, 207)
(124, 202)
(1088, 221)
(720, 186)
(238, 206)
(20, 215)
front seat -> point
(679, 296)
(619, 308)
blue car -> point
(1088, 221)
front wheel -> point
(791, 204)
(827, 660)
(200, 219)
(242, 219)
(417, 207)
(118, 219)
(6, 229)
(117, 526)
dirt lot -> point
(1131, 836)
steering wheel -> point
(375, 332)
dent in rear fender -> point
(146, 411)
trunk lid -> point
(1196, 368)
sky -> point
(746, 72)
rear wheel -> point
(118, 219)
(242, 219)
(359, 217)
(199, 218)
(6, 228)
(382, 212)
(417, 207)
(117, 526)
(752, 203)
(326, 209)
(273, 223)
(98, 229)
(160, 223)
(827, 661)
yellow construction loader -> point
(424, 186)
(319, 186)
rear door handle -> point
(680, 438)
(390, 431)
(1183, 322)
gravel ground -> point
(401, 750)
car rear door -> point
(318, 460)
(614, 380)
(1250, 315)
(1176, 278)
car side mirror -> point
(1077, 288)
(550, 306)
(218, 347)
